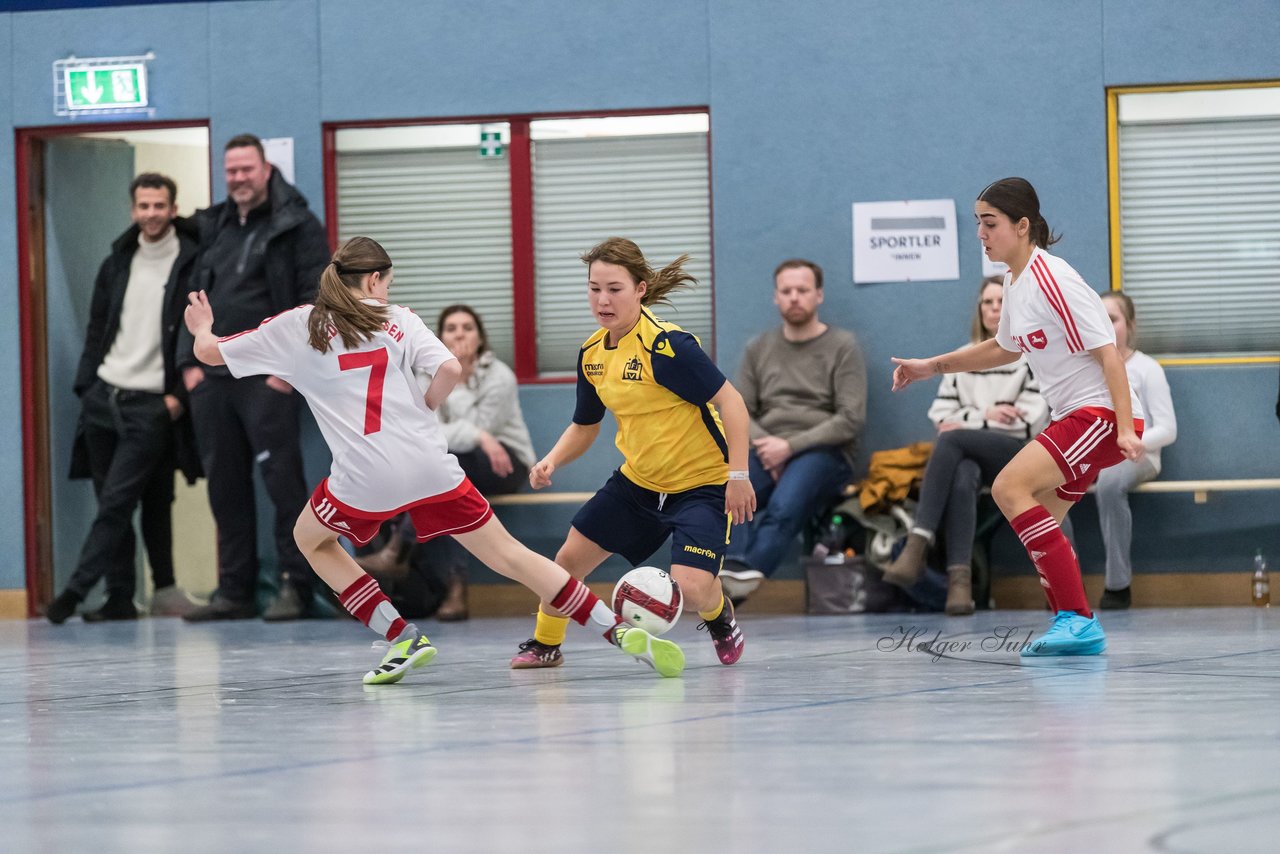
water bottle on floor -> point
(830, 548)
(1261, 582)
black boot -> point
(1114, 600)
(63, 607)
(117, 607)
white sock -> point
(602, 615)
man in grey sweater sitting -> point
(805, 385)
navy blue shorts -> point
(632, 521)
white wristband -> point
(739, 475)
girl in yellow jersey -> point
(682, 429)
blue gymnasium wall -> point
(814, 105)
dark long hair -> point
(1016, 198)
(339, 307)
(464, 309)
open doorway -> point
(74, 202)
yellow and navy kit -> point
(658, 383)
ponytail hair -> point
(339, 306)
(1016, 198)
(624, 253)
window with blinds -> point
(445, 199)
(653, 190)
(1199, 219)
(444, 216)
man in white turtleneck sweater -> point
(133, 427)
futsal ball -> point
(648, 598)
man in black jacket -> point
(133, 423)
(262, 251)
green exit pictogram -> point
(111, 87)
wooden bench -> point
(523, 498)
(1201, 488)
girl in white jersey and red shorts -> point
(1059, 323)
(353, 357)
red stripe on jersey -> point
(255, 328)
(1049, 285)
(236, 335)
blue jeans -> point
(810, 482)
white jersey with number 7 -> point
(388, 449)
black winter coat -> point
(104, 325)
(294, 247)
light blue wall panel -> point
(1186, 41)
(12, 571)
(397, 58)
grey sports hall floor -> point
(246, 737)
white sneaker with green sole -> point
(401, 657)
(663, 656)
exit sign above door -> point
(107, 87)
(102, 85)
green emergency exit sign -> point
(106, 87)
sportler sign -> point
(909, 241)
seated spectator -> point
(805, 386)
(983, 419)
(482, 422)
(1113, 485)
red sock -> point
(1055, 560)
(366, 602)
(576, 600)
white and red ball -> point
(648, 598)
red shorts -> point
(457, 511)
(1083, 444)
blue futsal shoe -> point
(1070, 634)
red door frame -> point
(36, 493)
(524, 306)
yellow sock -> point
(550, 630)
(714, 612)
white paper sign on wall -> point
(908, 241)
(279, 151)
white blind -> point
(651, 189)
(444, 217)
(1200, 234)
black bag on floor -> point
(835, 584)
